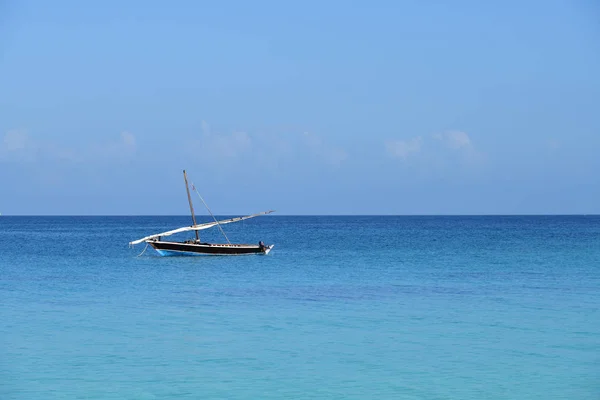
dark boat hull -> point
(178, 248)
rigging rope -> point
(143, 251)
(211, 214)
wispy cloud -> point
(460, 143)
(128, 139)
(226, 146)
(18, 146)
(403, 148)
(330, 154)
(437, 154)
(122, 148)
(266, 149)
(454, 139)
(15, 140)
(218, 146)
(336, 156)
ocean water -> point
(343, 308)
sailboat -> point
(196, 246)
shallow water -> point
(344, 307)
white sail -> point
(198, 227)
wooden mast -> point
(190, 201)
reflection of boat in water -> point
(195, 246)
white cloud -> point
(15, 140)
(440, 154)
(18, 146)
(459, 143)
(266, 149)
(205, 128)
(337, 156)
(312, 140)
(62, 153)
(330, 154)
(122, 148)
(454, 139)
(403, 148)
(128, 139)
(228, 146)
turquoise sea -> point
(357, 307)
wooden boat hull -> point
(179, 248)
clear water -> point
(343, 308)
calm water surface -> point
(343, 308)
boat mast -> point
(190, 201)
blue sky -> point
(379, 107)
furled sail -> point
(198, 227)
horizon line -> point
(309, 215)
